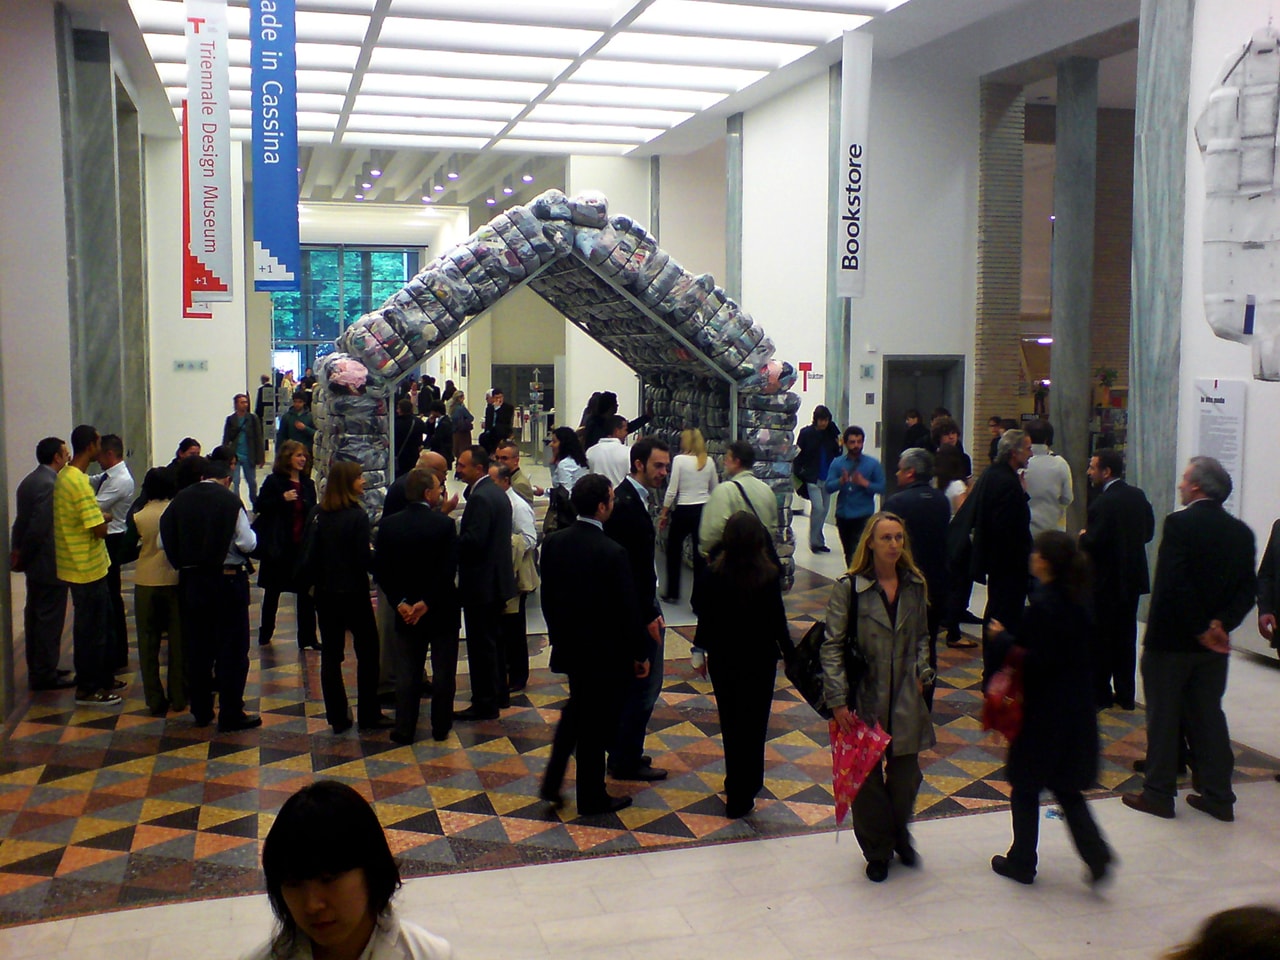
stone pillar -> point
(1074, 189)
(1159, 203)
(135, 333)
(733, 207)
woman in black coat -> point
(339, 568)
(1057, 748)
(286, 498)
(741, 621)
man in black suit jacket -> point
(1269, 589)
(1204, 587)
(631, 525)
(1002, 538)
(498, 419)
(1119, 525)
(415, 562)
(597, 638)
(486, 581)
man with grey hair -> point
(1204, 586)
(1002, 536)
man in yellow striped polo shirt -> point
(79, 537)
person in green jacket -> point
(296, 424)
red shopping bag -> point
(1002, 701)
(853, 756)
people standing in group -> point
(242, 431)
(740, 490)
(631, 526)
(742, 625)
(486, 581)
(338, 568)
(1119, 525)
(415, 564)
(156, 601)
(586, 581)
(114, 488)
(609, 456)
(33, 553)
(406, 436)
(858, 478)
(693, 480)
(287, 498)
(499, 418)
(463, 421)
(1204, 586)
(207, 537)
(880, 604)
(437, 432)
(1057, 746)
(1002, 537)
(187, 447)
(1048, 481)
(508, 455)
(524, 563)
(817, 447)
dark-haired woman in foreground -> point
(1057, 748)
(330, 878)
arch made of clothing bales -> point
(702, 359)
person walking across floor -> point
(33, 554)
(693, 478)
(242, 431)
(338, 567)
(818, 445)
(742, 626)
(880, 603)
(856, 478)
(463, 420)
(1057, 747)
(114, 488)
(287, 498)
(155, 600)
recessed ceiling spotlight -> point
(1044, 340)
(359, 196)
(375, 164)
(451, 168)
(527, 174)
(507, 188)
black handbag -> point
(802, 663)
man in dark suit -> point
(498, 419)
(1204, 586)
(927, 515)
(438, 431)
(1002, 537)
(32, 553)
(486, 581)
(586, 583)
(1269, 588)
(415, 563)
(631, 526)
(1120, 523)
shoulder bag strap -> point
(751, 506)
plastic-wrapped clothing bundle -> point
(342, 374)
(590, 209)
(485, 290)
(370, 451)
(552, 205)
(516, 242)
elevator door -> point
(922, 383)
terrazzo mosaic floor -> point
(103, 810)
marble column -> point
(1074, 191)
(135, 336)
(733, 207)
(1159, 203)
(839, 357)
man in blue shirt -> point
(858, 478)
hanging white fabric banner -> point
(208, 150)
(849, 202)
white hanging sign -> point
(849, 202)
(208, 134)
(1220, 430)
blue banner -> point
(277, 257)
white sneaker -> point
(698, 660)
(99, 698)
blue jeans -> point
(820, 504)
(637, 707)
(250, 478)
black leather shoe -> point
(907, 855)
(877, 871)
(736, 810)
(1139, 802)
(642, 774)
(201, 721)
(552, 797)
(377, 723)
(968, 617)
(264, 641)
(160, 709)
(64, 673)
(1197, 802)
(246, 721)
(1005, 867)
(610, 805)
(439, 736)
(62, 683)
(471, 713)
(404, 739)
(310, 645)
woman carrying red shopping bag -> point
(885, 595)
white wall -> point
(525, 329)
(35, 336)
(692, 200)
(189, 403)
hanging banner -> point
(276, 252)
(191, 309)
(849, 202)
(208, 150)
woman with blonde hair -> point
(693, 477)
(881, 604)
(339, 569)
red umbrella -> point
(854, 755)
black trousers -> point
(1115, 654)
(1006, 596)
(1025, 805)
(850, 530)
(338, 613)
(305, 609)
(43, 618)
(883, 807)
(587, 722)
(684, 523)
(214, 606)
(484, 655)
(412, 642)
(744, 697)
(118, 652)
(515, 647)
(91, 635)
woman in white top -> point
(693, 477)
(568, 462)
(330, 878)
